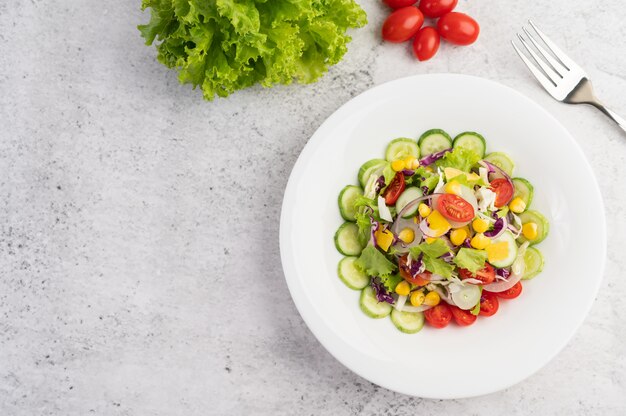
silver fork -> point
(559, 75)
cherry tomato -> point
(396, 4)
(461, 317)
(402, 24)
(511, 293)
(438, 316)
(503, 189)
(395, 188)
(458, 28)
(455, 208)
(485, 275)
(489, 304)
(421, 279)
(426, 43)
(437, 8)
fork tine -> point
(567, 62)
(558, 67)
(549, 72)
(543, 80)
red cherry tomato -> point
(437, 8)
(426, 43)
(458, 28)
(485, 275)
(503, 189)
(438, 316)
(489, 304)
(421, 279)
(402, 24)
(461, 317)
(455, 208)
(396, 4)
(511, 293)
(395, 188)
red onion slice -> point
(495, 173)
(498, 287)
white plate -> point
(454, 362)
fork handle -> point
(610, 113)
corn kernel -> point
(529, 230)
(417, 298)
(453, 187)
(407, 235)
(430, 240)
(403, 288)
(424, 210)
(479, 241)
(517, 205)
(479, 225)
(398, 165)
(458, 236)
(432, 299)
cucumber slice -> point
(351, 275)
(501, 160)
(370, 167)
(407, 322)
(401, 149)
(508, 238)
(471, 141)
(407, 196)
(543, 226)
(533, 259)
(524, 190)
(347, 196)
(347, 239)
(434, 141)
(371, 306)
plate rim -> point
(289, 200)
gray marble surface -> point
(139, 261)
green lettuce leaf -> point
(225, 45)
(435, 249)
(459, 158)
(365, 226)
(438, 266)
(391, 281)
(374, 263)
(470, 259)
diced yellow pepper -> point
(411, 163)
(479, 241)
(384, 238)
(453, 187)
(403, 288)
(407, 235)
(398, 165)
(432, 299)
(438, 223)
(458, 236)
(417, 298)
(424, 210)
(452, 173)
(479, 225)
(517, 205)
(529, 230)
(497, 251)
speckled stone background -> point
(139, 260)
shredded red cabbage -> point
(408, 172)
(425, 190)
(448, 257)
(504, 273)
(467, 243)
(498, 227)
(430, 159)
(381, 293)
(417, 266)
(380, 184)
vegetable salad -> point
(438, 231)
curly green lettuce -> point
(225, 45)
